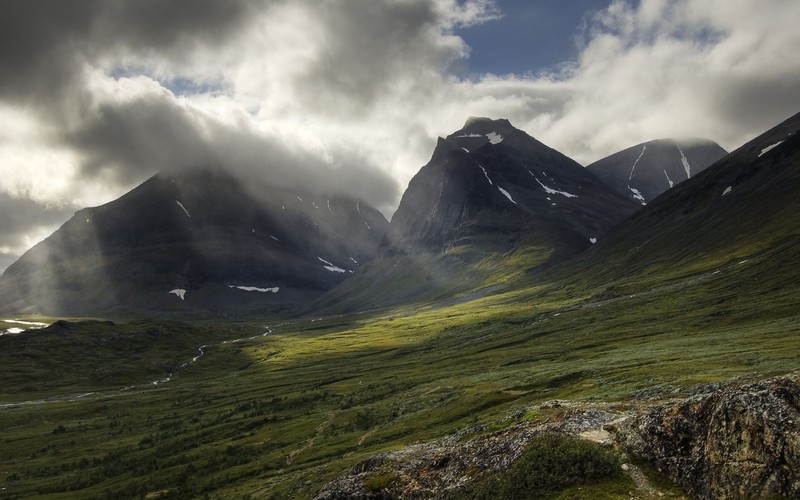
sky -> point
(350, 95)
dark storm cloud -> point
(45, 45)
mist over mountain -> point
(644, 171)
(199, 238)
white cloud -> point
(353, 93)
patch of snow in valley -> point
(183, 208)
(494, 137)
(367, 224)
(330, 209)
(29, 323)
(507, 195)
(465, 150)
(301, 199)
(592, 240)
(17, 330)
(769, 148)
(256, 289)
(354, 261)
(671, 184)
(727, 190)
(638, 195)
(315, 205)
(486, 175)
(468, 135)
(358, 206)
(331, 267)
(180, 292)
(550, 190)
(686, 165)
(274, 238)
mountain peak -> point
(646, 170)
(482, 121)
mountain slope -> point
(746, 207)
(644, 171)
(490, 198)
(206, 237)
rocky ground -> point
(735, 440)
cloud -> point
(24, 222)
(350, 95)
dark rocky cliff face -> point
(492, 185)
(738, 442)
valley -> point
(691, 294)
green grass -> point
(282, 414)
(553, 464)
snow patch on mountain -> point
(494, 137)
(507, 195)
(486, 175)
(330, 267)
(465, 150)
(727, 190)
(256, 289)
(550, 190)
(644, 148)
(638, 195)
(592, 240)
(182, 208)
(180, 292)
(468, 135)
(686, 165)
(769, 148)
(671, 184)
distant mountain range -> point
(644, 171)
(204, 242)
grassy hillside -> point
(280, 414)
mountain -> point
(196, 239)
(489, 191)
(745, 207)
(644, 171)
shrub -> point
(551, 463)
(380, 482)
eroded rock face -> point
(742, 441)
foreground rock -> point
(742, 441)
(736, 440)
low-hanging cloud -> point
(350, 95)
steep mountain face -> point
(491, 179)
(644, 171)
(199, 238)
(490, 195)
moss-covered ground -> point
(277, 415)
